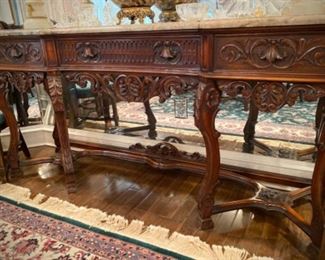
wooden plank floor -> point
(167, 198)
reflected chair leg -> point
(106, 111)
(249, 130)
(24, 146)
(4, 163)
(206, 107)
(115, 112)
(151, 120)
(12, 155)
(19, 99)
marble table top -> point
(208, 24)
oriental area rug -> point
(49, 228)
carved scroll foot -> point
(206, 224)
(322, 247)
(71, 183)
(206, 107)
(13, 173)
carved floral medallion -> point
(167, 52)
(21, 52)
(88, 52)
(280, 53)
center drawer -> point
(153, 51)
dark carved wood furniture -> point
(268, 66)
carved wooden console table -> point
(269, 66)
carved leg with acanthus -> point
(53, 86)
(12, 165)
(206, 107)
(249, 130)
(318, 187)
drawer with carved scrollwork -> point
(301, 54)
(21, 52)
(154, 51)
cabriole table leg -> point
(206, 107)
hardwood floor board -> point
(265, 246)
(167, 198)
(173, 197)
(132, 196)
(184, 211)
(159, 190)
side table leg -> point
(206, 107)
(151, 120)
(53, 85)
(318, 187)
(249, 130)
(319, 112)
(12, 165)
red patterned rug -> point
(48, 228)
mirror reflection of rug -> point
(49, 228)
(292, 124)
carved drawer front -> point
(183, 52)
(21, 52)
(296, 54)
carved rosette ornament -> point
(167, 52)
(99, 82)
(271, 96)
(55, 92)
(88, 52)
(21, 52)
(4, 79)
(280, 53)
(165, 149)
(132, 88)
(22, 81)
(172, 85)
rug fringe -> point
(186, 245)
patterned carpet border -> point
(154, 238)
(97, 230)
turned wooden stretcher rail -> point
(269, 64)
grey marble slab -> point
(208, 24)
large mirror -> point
(287, 134)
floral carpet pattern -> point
(291, 124)
(27, 235)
